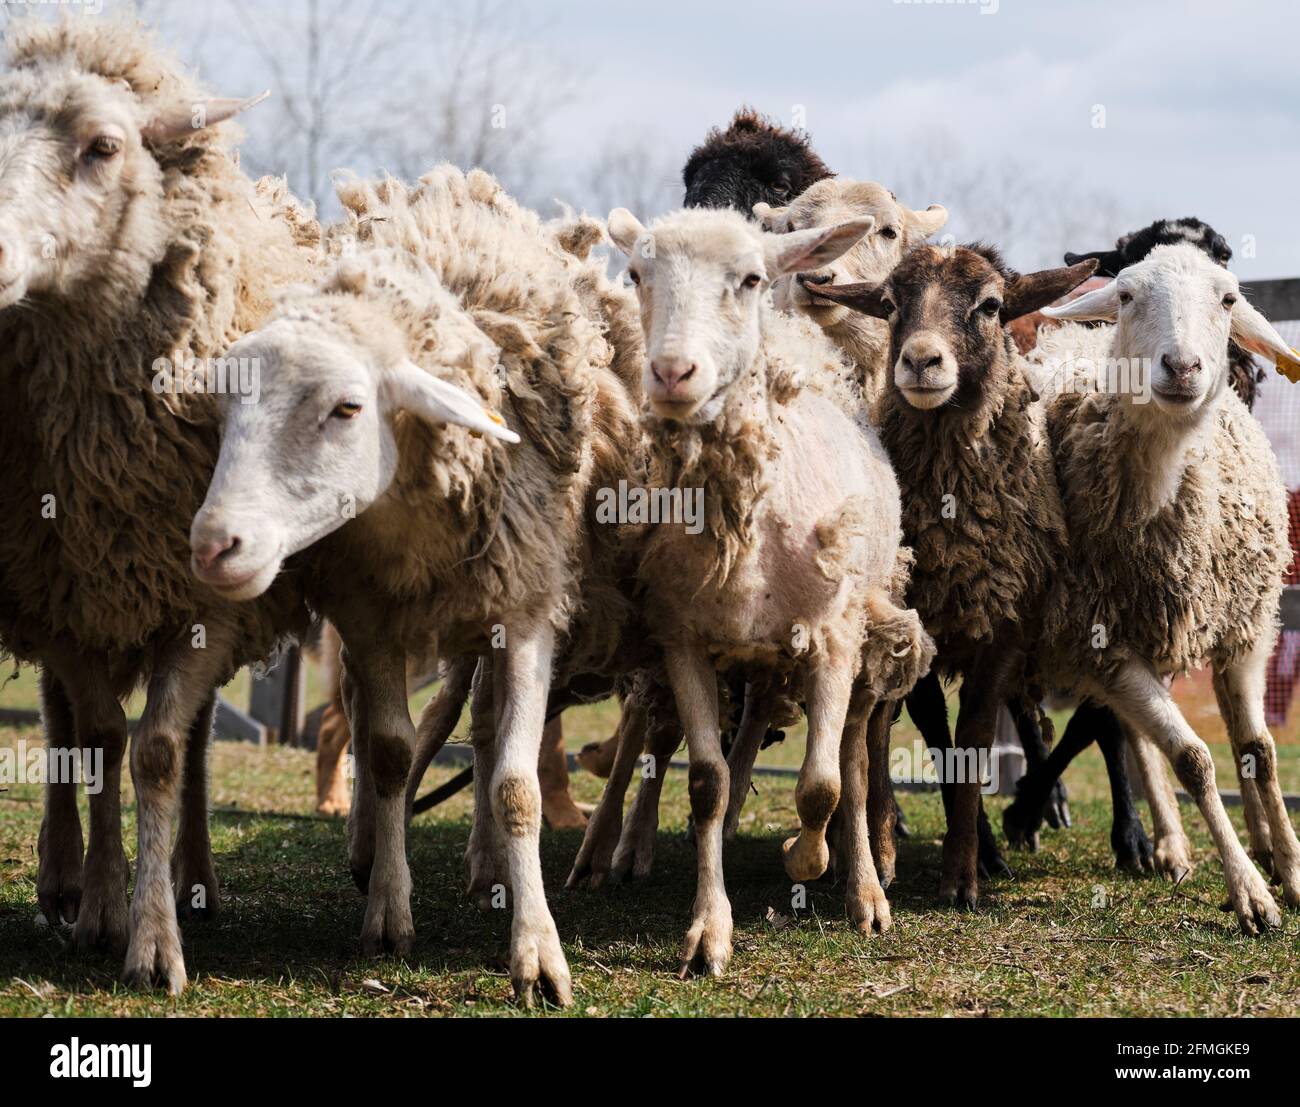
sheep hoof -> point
(806, 857)
(103, 919)
(388, 927)
(1254, 905)
(155, 961)
(1020, 828)
(538, 967)
(361, 876)
(1132, 848)
(901, 829)
(869, 911)
(1173, 858)
(58, 879)
(706, 950)
(1056, 810)
(198, 895)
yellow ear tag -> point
(1289, 367)
(501, 422)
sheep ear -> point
(435, 401)
(1101, 303)
(866, 298)
(1032, 291)
(770, 218)
(925, 223)
(1253, 332)
(179, 121)
(624, 229)
(813, 248)
(1109, 262)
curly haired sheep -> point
(130, 240)
(419, 536)
(797, 559)
(980, 507)
(1178, 528)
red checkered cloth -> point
(1284, 665)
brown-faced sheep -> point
(133, 249)
(980, 508)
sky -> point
(1119, 111)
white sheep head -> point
(80, 188)
(1174, 313)
(701, 276)
(320, 444)
(895, 229)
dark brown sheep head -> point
(946, 310)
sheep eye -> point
(991, 306)
(890, 232)
(888, 305)
(781, 188)
(753, 280)
(103, 147)
(1125, 297)
(346, 410)
(1229, 300)
(634, 276)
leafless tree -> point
(640, 174)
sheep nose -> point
(1181, 367)
(672, 371)
(813, 278)
(208, 554)
(918, 362)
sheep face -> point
(895, 230)
(946, 309)
(700, 278)
(1175, 312)
(318, 447)
(79, 186)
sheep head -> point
(319, 443)
(946, 309)
(700, 278)
(1175, 312)
(81, 185)
(896, 229)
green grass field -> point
(1067, 936)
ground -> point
(1067, 936)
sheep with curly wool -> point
(793, 567)
(1178, 527)
(375, 462)
(132, 248)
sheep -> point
(415, 535)
(794, 568)
(131, 242)
(980, 506)
(1178, 529)
(754, 160)
(896, 230)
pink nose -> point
(672, 371)
(207, 555)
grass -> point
(1068, 936)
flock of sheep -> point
(893, 494)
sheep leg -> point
(882, 811)
(760, 696)
(864, 896)
(361, 813)
(1139, 698)
(181, 685)
(807, 855)
(1252, 805)
(100, 726)
(521, 682)
(378, 668)
(707, 945)
(484, 861)
(929, 710)
(1173, 852)
(438, 720)
(1128, 838)
(1241, 692)
(1056, 807)
(981, 699)
(194, 875)
(333, 797)
(559, 812)
(636, 845)
(601, 838)
(59, 845)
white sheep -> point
(794, 568)
(1178, 535)
(132, 248)
(416, 536)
